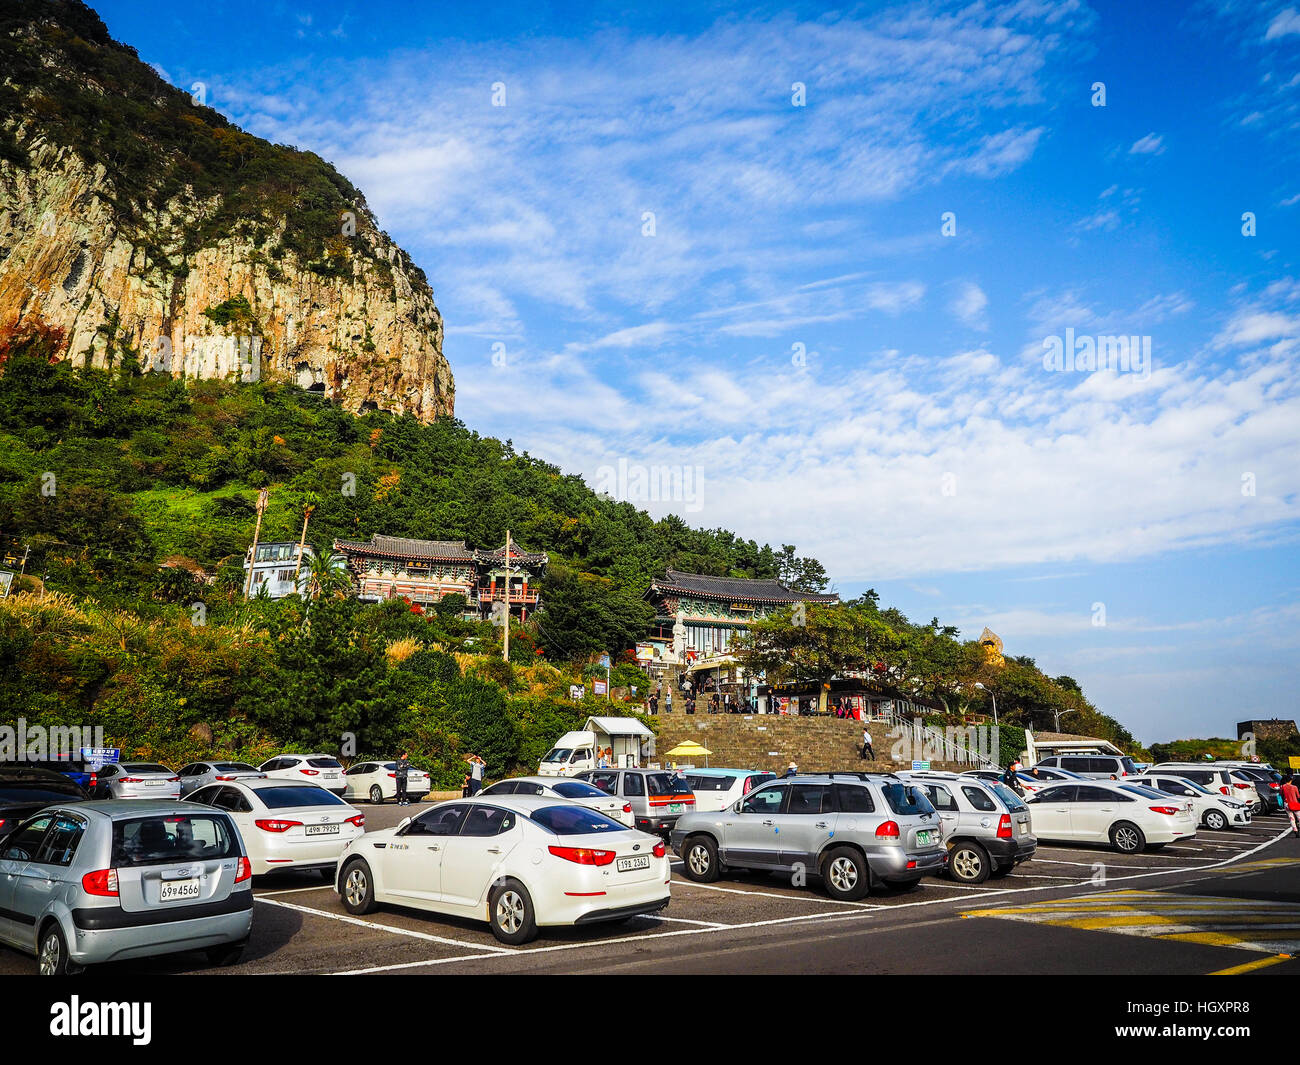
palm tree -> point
(325, 577)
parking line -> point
(1251, 966)
(348, 919)
(683, 920)
(774, 895)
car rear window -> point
(854, 799)
(1013, 801)
(906, 799)
(168, 838)
(144, 767)
(1144, 790)
(324, 763)
(573, 821)
(667, 784)
(297, 795)
(577, 789)
(1127, 762)
(710, 783)
(233, 767)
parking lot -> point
(1066, 894)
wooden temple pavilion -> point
(424, 571)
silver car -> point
(200, 774)
(854, 830)
(986, 825)
(108, 881)
(135, 780)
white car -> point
(377, 781)
(285, 824)
(1130, 817)
(718, 789)
(1223, 779)
(578, 791)
(1212, 809)
(135, 780)
(197, 774)
(523, 862)
(323, 770)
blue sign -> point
(98, 757)
(920, 766)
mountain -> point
(146, 226)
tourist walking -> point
(1291, 799)
(668, 701)
(868, 752)
(791, 770)
(400, 771)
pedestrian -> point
(690, 704)
(1011, 780)
(1291, 798)
(464, 786)
(400, 770)
(791, 770)
(654, 703)
(476, 765)
(868, 751)
(668, 701)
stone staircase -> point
(773, 741)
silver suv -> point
(854, 830)
(107, 881)
(986, 826)
(658, 797)
(1093, 766)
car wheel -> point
(700, 859)
(226, 954)
(846, 874)
(1127, 838)
(1216, 820)
(52, 955)
(358, 889)
(376, 795)
(510, 913)
(968, 863)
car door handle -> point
(433, 847)
(769, 822)
(494, 850)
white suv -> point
(1213, 809)
(1223, 779)
(323, 770)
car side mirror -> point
(736, 807)
(402, 824)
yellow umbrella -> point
(690, 749)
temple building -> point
(423, 571)
(697, 616)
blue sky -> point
(677, 265)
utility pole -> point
(505, 645)
(302, 543)
(263, 497)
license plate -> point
(626, 865)
(1024, 828)
(674, 807)
(322, 830)
(154, 783)
(174, 890)
(925, 837)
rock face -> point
(172, 276)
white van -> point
(573, 753)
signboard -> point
(98, 757)
(1294, 762)
(644, 652)
(604, 661)
(599, 687)
(6, 580)
(920, 767)
(576, 691)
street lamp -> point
(991, 696)
(1058, 714)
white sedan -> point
(1212, 810)
(578, 791)
(286, 825)
(323, 770)
(377, 781)
(518, 862)
(1130, 817)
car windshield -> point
(170, 838)
(324, 763)
(1195, 786)
(667, 784)
(906, 799)
(577, 789)
(144, 767)
(234, 767)
(710, 783)
(558, 754)
(574, 821)
(1010, 799)
(297, 795)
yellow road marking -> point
(1251, 966)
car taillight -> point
(94, 779)
(1238, 784)
(888, 830)
(627, 807)
(659, 850)
(392, 776)
(173, 780)
(1273, 784)
(131, 780)
(1004, 826)
(276, 825)
(1168, 811)
(102, 882)
(309, 772)
(244, 872)
(359, 820)
(1224, 790)
(225, 778)
(583, 855)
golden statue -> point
(992, 644)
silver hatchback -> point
(114, 880)
(854, 830)
(986, 826)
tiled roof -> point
(405, 547)
(758, 591)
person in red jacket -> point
(1291, 796)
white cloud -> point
(1286, 22)
(969, 305)
(1151, 144)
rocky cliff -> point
(148, 227)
